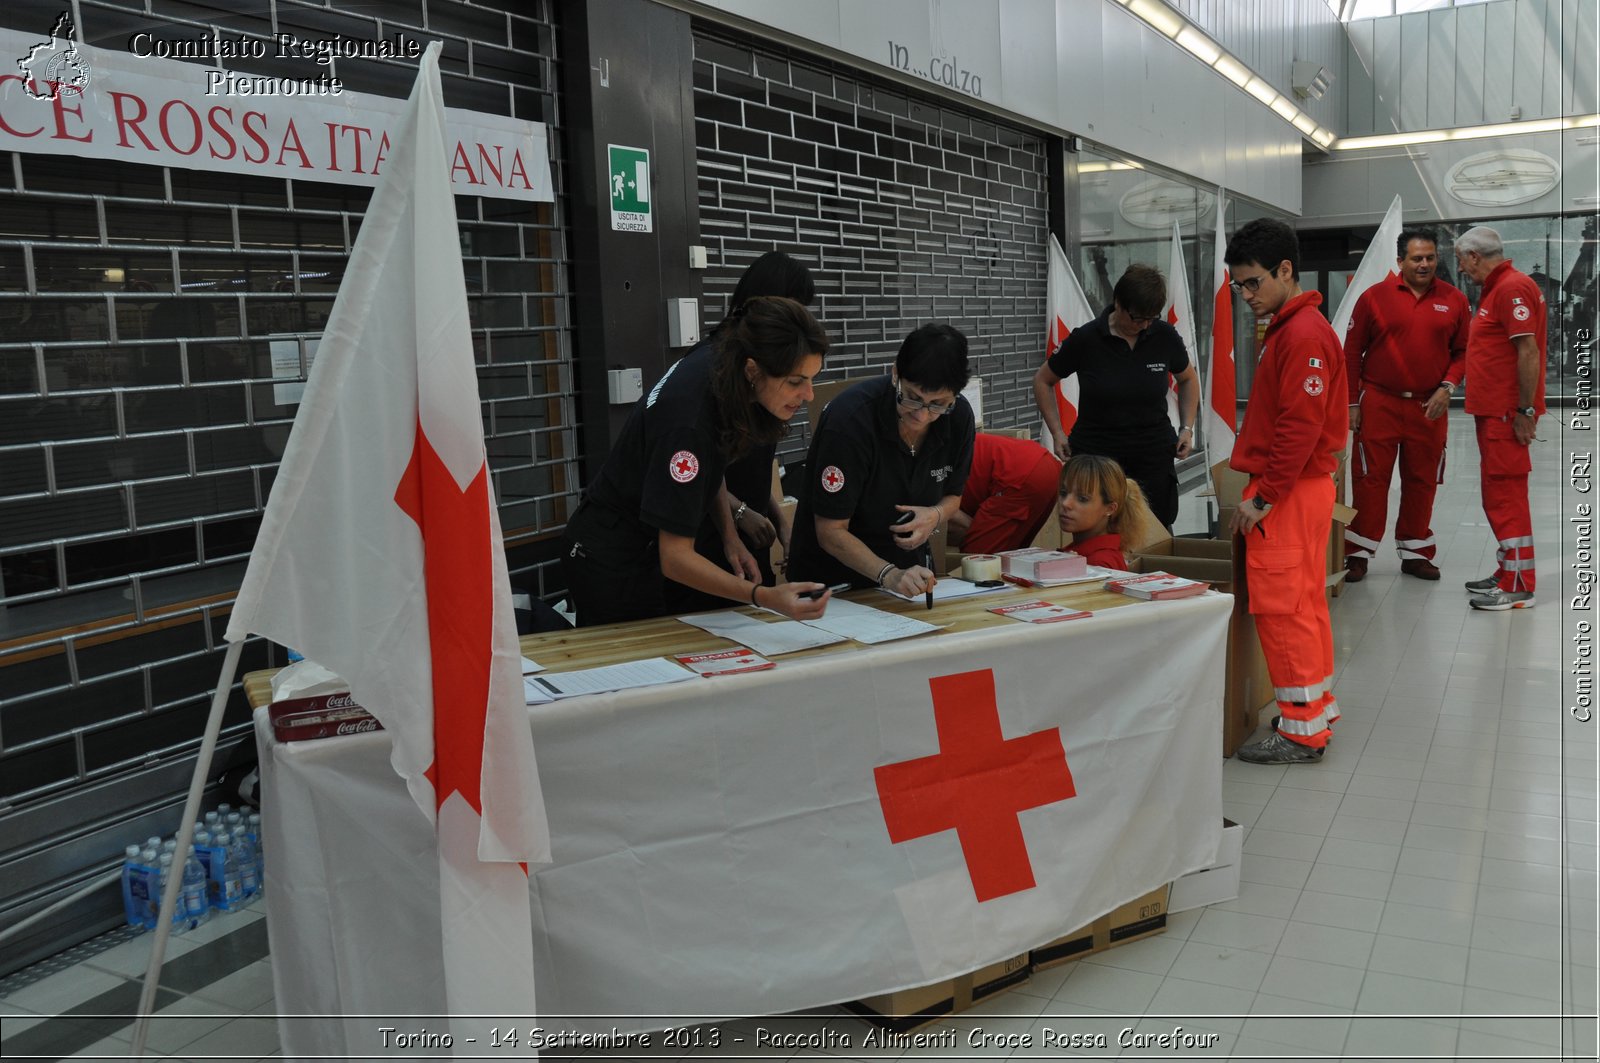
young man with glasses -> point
(1294, 425)
(1505, 395)
(887, 463)
(1124, 359)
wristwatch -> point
(1261, 507)
(1451, 388)
(1528, 411)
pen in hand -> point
(927, 557)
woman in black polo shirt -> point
(638, 520)
(1123, 358)
(882, 449)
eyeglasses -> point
(1137, 319)
(938, 409)
(1249, 285)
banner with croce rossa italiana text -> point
(62, 97)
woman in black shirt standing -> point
(1123, 359)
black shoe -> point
(1355, 569)
(1421, 568)
(1276, 749)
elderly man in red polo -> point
(1405, 354)
(1505, 395)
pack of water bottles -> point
(221, 871)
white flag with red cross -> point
(1377, 264)
(1220, 402)
(1180, 315)
(1066, 307)
(380, 557)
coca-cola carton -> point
(319, 716)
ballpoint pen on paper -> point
(927, 557)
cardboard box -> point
(1246, 687)
(910, 1008)
(1217, 883)
(1139, 918)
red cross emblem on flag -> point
(832, 479)
(684, 466)
(976, 784)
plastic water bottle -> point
(135, 887)
(249, 880)
(225, 876)
(213, 821)
(252, 831)
(180, 921)
(152, 885)
(224, 809)
(196, 905)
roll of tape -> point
(978, 567)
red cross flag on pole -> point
(1180, 315)
(380, 557)
(1066, 308)
(1377, 264)
(1221, 400)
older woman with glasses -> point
(888, 460)
(1123, 360)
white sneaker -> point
(1497, 600)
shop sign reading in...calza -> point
(629, 176)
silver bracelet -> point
(740, 511)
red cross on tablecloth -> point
(976, 784)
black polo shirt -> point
(859, 468)
(1122, 396)
(666, 466)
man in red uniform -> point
(1404, 355)
(1010, 492)
(1294, 425)
(1505, 395)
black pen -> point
(927, 556)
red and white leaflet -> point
(1038, 612)
(724, 662)
(1157, 586)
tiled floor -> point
(1426, 891)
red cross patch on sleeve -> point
(684, 466)
(1313, 385)
(832, 479)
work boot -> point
(1482, 586)
(1276, 749)
(1355, 569)
(1421, 568)
(1496, 600)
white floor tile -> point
(1426, 923)
(1275, 871)
(1212, 964)
(1349, 913)
(1325, 983)
(1215, 1007)
(1420, 959)
(1308, 1025)
(1397, 994)
(66, 989)
(1438, 863)
(1111, 988)
(1524, 975)
(1326, 944)
(1238, 930)
(1441, 893)
(1350, 881)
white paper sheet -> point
(1094, 572)
(647, 673)
(866, 624)
(769, 640)
(530, 666)
(948, 588)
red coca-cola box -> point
(322, 716)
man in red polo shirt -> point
(1405, 355)
(1010, 492)
(1505, 395)
(1294, 425)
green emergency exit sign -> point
(630, 189)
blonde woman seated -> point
(1101, 509)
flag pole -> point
(191, 809)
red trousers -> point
(1012, 516)
(1504, 465)
(1391, 427)
(1286, 568)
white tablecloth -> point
(721, 845)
